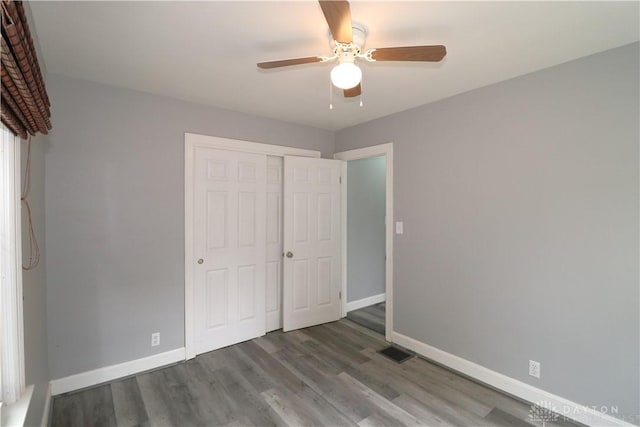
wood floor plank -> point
(297, 335)
(376, 420)
(471, 388)
(308, 369)
(326, 336)
(213, 405)
(368, 323)
(279, 374)
(305, 409)
(238, 385)
(372, 317)
(361, 329)
(374, 341)
(350, 352)
(156, 399)
(326, 354)
(97, 407)
(238, 361)
(500, 418)
(372, 381)
(266, 344)
(184, 406)
(285, 409)
(420, 411)
(418, 374)
(279, 339)
(430, 397)
(386, 408)
(244, 401)
(327, 375)
(215, 359)
(323, 381)
(67, 411)
(328, 385)
(128, 404)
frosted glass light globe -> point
(346, 75)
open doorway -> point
(366, 196)
(368, 220)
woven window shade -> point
(25, 104)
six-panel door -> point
(229, 247)
(312, 242)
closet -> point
(263, 240)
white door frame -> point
(191, 141)
(363, 153)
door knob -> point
(200, 261)
(289, 254)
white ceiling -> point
(206, 52)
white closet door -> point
(312, 266)
(274, 243)
(229, 246)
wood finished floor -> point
(371, 317)
(329, 375)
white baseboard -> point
(365, 302)
(109, 373)
(529, 393)
(47, 408)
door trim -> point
(191, 141)
(363, 153)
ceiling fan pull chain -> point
(330, 95)
(361, 91)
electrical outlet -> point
(534, 368)
(155, 339)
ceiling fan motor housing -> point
(359, 35)
(347, 52)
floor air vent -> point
(395, 354)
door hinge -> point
(340, 295)
(340, 180)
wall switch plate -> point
(399, 227)
(155, 339)
(534, 368)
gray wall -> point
(366, 180)
(520, 210)
(34, 284)
(115, 216)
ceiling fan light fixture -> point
(346, 75)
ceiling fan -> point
(348, 42)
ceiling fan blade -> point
(353, 92)
(410, 53)
(287, 62)
(338, 16)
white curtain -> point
(12, 380)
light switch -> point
(399, 227)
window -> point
(12, 379)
